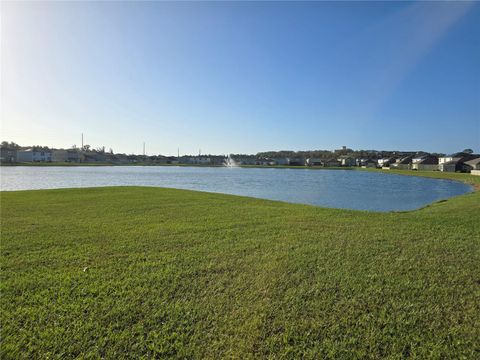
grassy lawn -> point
(152, 272)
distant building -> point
(346, 160)
(428, 162)
(30, 155)
(280, 161)
(59, 155)
(296, 161)
(456, 162)
(314, 162)
(369, 163)
(404, 163)
(245, 159)
(331, 163)
(92, 156)
(195, 160)
(70, 155)
(172, 160)
(385, 162)
(452, 166)
(264, 162)
(474, 164)
(459, 155)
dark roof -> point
(429, 160)
(473, 161)
(405, 160)
(453, 162)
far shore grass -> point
(137, 272)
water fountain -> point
(230, 162)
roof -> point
(405, 160)
(452, 162)
(430, 160)
(473, 162)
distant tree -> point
(11, 145)
(86, 147)
(468, 151)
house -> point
(31, 155)
(314, 162)
(427, 162)
(195, 160)
(369, 163)
(474, 166)
(264, 162)
(385, 162)
(296, 161)
(331, 163)
(93, 156)
(281, 161)
(455, 156)
(59, 155)
(404, 163)
(360, 161)
(172, 160)
(346, 160)
(456, 162)
(452, 166)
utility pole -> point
(144, 149)
(82, 141)
(178, 153)
(199, 152)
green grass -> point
(173, 273)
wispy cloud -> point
(414, 31)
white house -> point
(456, 162)
(453, 157)
(30, 155)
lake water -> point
(328, 188)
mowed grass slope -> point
(131, 272)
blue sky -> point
(242, 77)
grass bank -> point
(131, 271)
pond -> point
(347, 189)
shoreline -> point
(468, 178)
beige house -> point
(402, 164)
(428, 163)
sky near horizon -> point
(241, 77)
